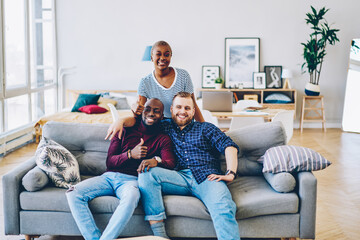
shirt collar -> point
(185, 129)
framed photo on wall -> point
(209, 74)
(273, 76)
(241, 61)
(259, 80)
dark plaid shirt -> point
(198, 147)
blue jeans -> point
(123, 186)
(215, 196)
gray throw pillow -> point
(253, 142)
(122, 102)
(35, 180)
(281, 182)
(58, 163)
(289, 158)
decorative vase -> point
(312, 89)
(218, 85)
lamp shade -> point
(286, 73)
(147, 54)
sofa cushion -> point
(253, 142)
(58, 163)
(281, 182)
(91, 163)
(78, 136)
(35, 179)
(253, 196)
(54, 199)
(188, 206)
(292, 159)
(85, 141)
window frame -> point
(27, 90)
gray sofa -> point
(262, 212)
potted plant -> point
(218, 83)
(314, 49)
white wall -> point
(105, 40)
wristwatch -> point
(158, 159)
(228, 172)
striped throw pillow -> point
(288, 158)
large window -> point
(28, 87)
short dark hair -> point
(161, 43)
(184, 95)
(161, 103)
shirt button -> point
(185, 152)
(187, 159)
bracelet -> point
(230, 172)
(129, 154)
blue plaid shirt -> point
(198, 147)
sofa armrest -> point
(307, 190)
(11, 190)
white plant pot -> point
(218, 85)
(312, 89)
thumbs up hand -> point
(139, 151)
(138, 107)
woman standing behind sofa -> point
(164, 82)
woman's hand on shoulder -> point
(138, 107)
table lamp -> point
(286, 74)
(147, 54)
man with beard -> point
(141, 147)
(197, 147)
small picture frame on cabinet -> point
(273, 76)
(209, 74)
(259, 80)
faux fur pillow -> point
(58, 163)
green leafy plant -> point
(314, 49)
(219, 80)
(355, 47)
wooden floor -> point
(338, 203)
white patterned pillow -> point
(288, 158)
(58, 163)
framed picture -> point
(209, 74)
(273, 76)
(241, 61)
(259, 80)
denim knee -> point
(132, 195)
(73, 195)
(146, 177)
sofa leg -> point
(31, 237)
